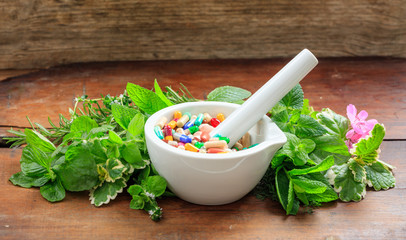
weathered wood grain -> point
(376, 85)
(42, 33)
(24, 214)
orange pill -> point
(177, 114)
(215, 150)
(220, 117)
(190, 147)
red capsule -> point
(214, 122)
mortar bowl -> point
(213, 179)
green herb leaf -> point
(79, 171)
(357, 170)
(36, 139)
(34, 162)
(137, 202)
(334, 123)
(307, 127)
(131, 153)
(228, 94)
(379, 177)
(282, 187)
(327, 196)
(366, 150)
(83, 124)
(302, 184)
(106, 192)
(323, 166)
(136, 126)
(123, 114)
(345, 184)
(53, 191)
(155, 185)
(160, 94)
(115, 169)
(20, 179)
(281, 119)
(145, 99)
(113, 136)
(294, 98)
(331, 144)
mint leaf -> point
(131, 153)
(113, 136)
(20, 179)
(136, 126)
(137, 202)
(106, 192)
(307, 127)
(53, 191)
(331, 144)
(302, 184)
(228, 94)
(123, 114)
(282, 187)
(79, 171)
(36, 139)
(334, 123)
(145, 99)
(345, 184)
(366, 150)
(379, 177)
(323, 166)
(318, 155)
(294, 98)
(327, 196)
(160, 94)
(281, 119)
(155, 185)
(83, 124)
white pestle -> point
(252, 110)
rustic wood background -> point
(43, 33)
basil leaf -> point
(155, 185)
(228, 94)
(34, 162)
(83, 124)
(36, 139)
(79, 171)
(53, 191)
(145, 99)
(20, 179)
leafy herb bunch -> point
(101, 149)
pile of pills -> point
(192, 133)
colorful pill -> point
(180, 130)
(193, 129)
(173, 123)
(161, 123)
(190, 147)
(182, 138)
(173, 143)
(190, 123)
(207, 117)
(238, 145)
(220, 117)
(168, 133)
(253, 145)
(181, 144)
(214, 122)
(215, 150)
(202, 150)
(206, 128)
(225, 139)
(216, 144)
(199, 119)
(158, 132)
(205, 136)
(177, 114)
(184, 119)
(199, 144)
(245, 140)
(182, 147)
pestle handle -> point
(249, 113)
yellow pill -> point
(184, 119)
(220, 117)
(190, 147)
(169, 138)
(172, 124)
(177, 114)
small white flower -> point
(121, 96)
(150, 212)
(76, 99)
(151, 195)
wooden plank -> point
(36, 34)
(376, 85)
(26, 215)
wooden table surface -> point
(377, 85)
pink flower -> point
(360, 127)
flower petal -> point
(351, 112)
(362, 115)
